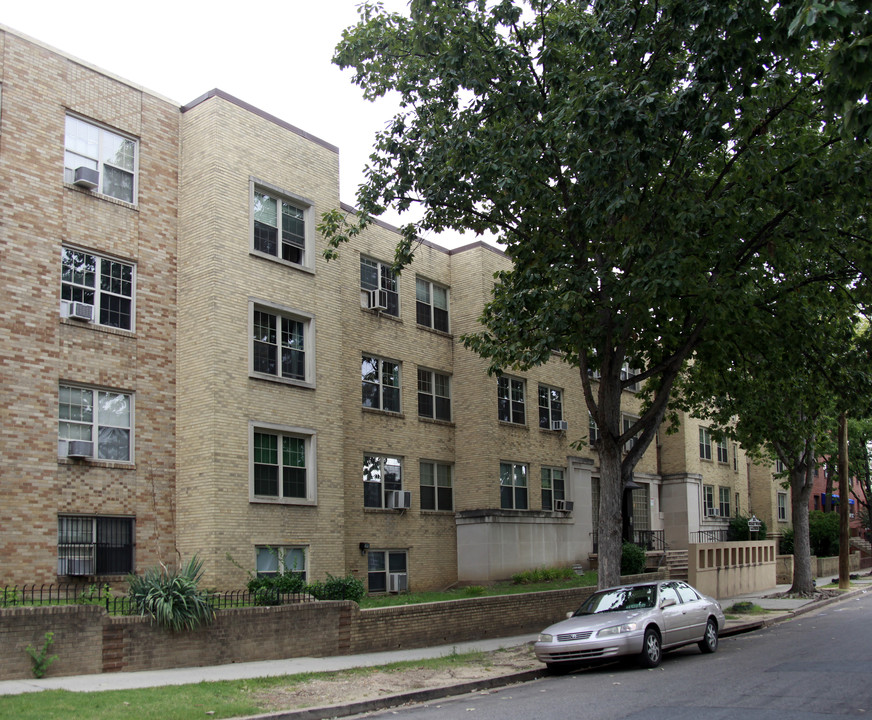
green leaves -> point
(171, 597)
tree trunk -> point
(844, 507)
(610, 521)
(800, 486)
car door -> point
(674, 624)
(695, 611)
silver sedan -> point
(642, 620)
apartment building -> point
(184, 373)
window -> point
(513, 486)
(708, 499)
(735, 457)
(431, 307)
(272, 561)
(282, 464)
(436, 486)
(724, 501)
(721, 446)
(550, 406)
(110, 154)
(627, 421)
(281, 225)
(553, 487)
(626, 374)
(705, 444)
(104, 284)
(510, 400)
(782, 507)
(434, 395)
(375, 275)
(95, 545)
(779, 466)
(381, 384)
(98, 422)
(593, 430)
(281, 344)
(381, 476)
(387, 571)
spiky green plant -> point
(172, 598)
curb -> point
(388, 701)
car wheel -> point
(709, 642)
(652, 650)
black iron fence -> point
(78, 594)
(710, 536)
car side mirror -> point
(569, 614)
(667, 602)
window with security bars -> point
(104, 284)
(95, 545)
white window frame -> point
(388, 282)
(438, 481)
(515, 486)
(779, 466)
(507, 387)
(735, 457)
(428, 377)
(280, 196)
(374, 472)
(705, 443)
(425, 296)
(781, 502)
(280, 553)
(76, 289)
(627, 421)
(724, 508)
(76, 157)
(722, 452)
(626, 373)
(379, 383)
(282, 312)
(386, 556)
(548, 413)
(593, 431)
(550, 478)
(95, 424)
(309, 437)
(708, 501)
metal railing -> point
(710, 536)
(78, 594)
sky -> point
(273, 54)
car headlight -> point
(617, 629)
(545, 637)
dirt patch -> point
(365, 684)
(818, 594)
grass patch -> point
(744, 608)
(504, 588)
(225, 699)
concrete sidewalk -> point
(784, 608)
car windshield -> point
(626, 598)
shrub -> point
(785, 545)
(543, 574)
(268, 590)
(172, 598)
(41, 659)
(632, 559)
(823, 533)
(474, 590)
(739, 529)
(334, 588)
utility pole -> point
(844, 528)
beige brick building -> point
(182, 371)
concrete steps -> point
(676, 564)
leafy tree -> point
(823, 533)
(846, 27)
(656, 171)
(860, 465)
(740, 530)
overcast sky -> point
(273, 54)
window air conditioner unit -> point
(563, 505)
(75, 566)
(398, 582)
(86, 177)
(81, 311)
(377, 300)
(399, 499)
(559, 425)
(80, 448)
